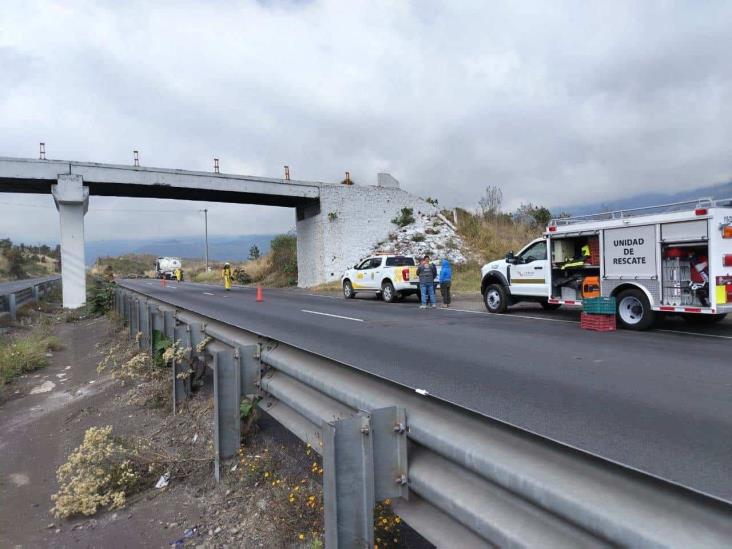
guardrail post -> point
(12, 307)
(182, 384)
(251, 369)
(348, 482)
(144, 327)
(227, 420)
(134, 317)
(389, 428)
(36, 293)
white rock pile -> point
(429, 234)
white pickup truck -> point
(390, 276)
(667, 259)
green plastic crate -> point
(599, 305)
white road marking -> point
(512, 316)
(148, 283)
(208, 293)
(694, 333)
(577, 322)
(325, 296)
(334, 316)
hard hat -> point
(227, 264)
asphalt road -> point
(18, 285)
(659, 402)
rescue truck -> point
(390, 276)
(667, 259)
(165, 267)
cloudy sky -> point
(556, 102)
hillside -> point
(220, 248)
(18, 261)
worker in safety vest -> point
(226, 275)
(578, 262)
(178, 274)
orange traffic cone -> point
(163, 282)
(260, 294)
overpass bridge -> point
(335, 224)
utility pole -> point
(205, 232)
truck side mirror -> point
(509, 257)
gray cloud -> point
(557, 103)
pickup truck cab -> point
(390, 276)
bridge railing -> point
(10, 300)
(459, 478)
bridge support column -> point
(72, 203)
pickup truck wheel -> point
(388, 293)
(348, 292)
(550, 306)
(496, 298)
(634, 310)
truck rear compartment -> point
(575, 273)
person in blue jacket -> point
(445, 282)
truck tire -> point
(703, 319)
(549, 306)
(388, 293)
(495, 298)
(348, 292)
(634, 311)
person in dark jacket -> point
(427, 274)
(445, 282)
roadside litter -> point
(163, 481)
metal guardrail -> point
(458, 478)
(11, 300)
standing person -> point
(427, 274)
(445, 282)
(178, 274)
(226, 275)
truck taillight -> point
(700, 211)
(405, 274)
(727, 231)
(727, 260)
(552, 229)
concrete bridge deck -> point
(22, 175)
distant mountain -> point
(220, 248)
(723, 190)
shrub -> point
(100, 297)
(99, 473)
(418, 238)
(284, 257)
(405, 217)
(26, 353)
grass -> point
(327, 288)
(489, 237)
(26, 353)
(466, 277)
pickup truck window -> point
(375, 263)
(400, 261)
(366, 264)
(534, 253)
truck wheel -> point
(634, 310)
(496, 298)
(387, 292)
(550, 306)
(703, 319)
(348, 292)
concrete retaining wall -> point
(351, 221)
